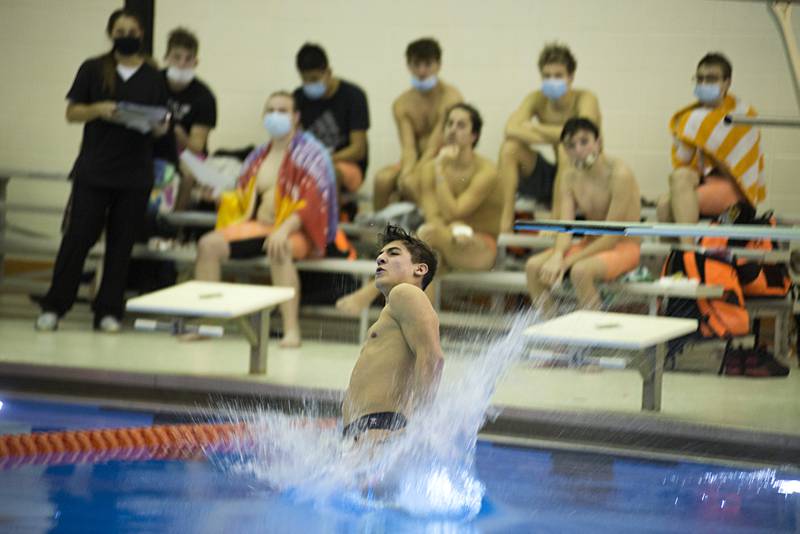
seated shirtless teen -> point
(539, 120)
(284, 206)
(602, 189)
(461, 199)
(419, 114)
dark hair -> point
(311, 57)
(474, 118)
(420, 251)
(109, 61)
(182, 38)
(576, 124)
(118, 14)
(557, 53)
(425, 49)
(716, 58)
(287, 94)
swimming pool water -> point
(527, 490)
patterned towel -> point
(306, 186)
(703, 140)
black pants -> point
(120, 212)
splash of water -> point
(426, 470)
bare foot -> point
(353, 304)
(290, 340)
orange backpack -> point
(757, 279)
(724, 317)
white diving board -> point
(733, 231)
(250, 304)
(643, 334)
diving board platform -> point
(634, 229)
(251, 305)
(646, 336)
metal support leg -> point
(781, 342)
(652, 377)
(652, 306)
(259, 323)
(3, 203)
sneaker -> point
(734, 362)
(760, 363)
(46, 322)
(109, 324)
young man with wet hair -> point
(539, 120)
(419, 115)
(715, 164)
(335, 111)
(397, 373)
(602, 188)
(191, 102)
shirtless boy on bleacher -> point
(602, 189)
(462, 198)
(538, 121)
(419, 113)
(462, 201)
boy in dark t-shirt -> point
(192, 104)
(335, 111)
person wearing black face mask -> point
(112, 176)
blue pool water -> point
(527, 490)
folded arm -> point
(458, 208)
(77, 112)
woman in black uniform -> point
(112, 175)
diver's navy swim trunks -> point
(375, 421)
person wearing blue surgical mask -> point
(284, 198)
(419, 115)
(194, 114)
(335, 111)
(538, 121)
(707, 176)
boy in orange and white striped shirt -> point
(715, 164)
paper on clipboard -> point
(138, 116)
(206, 173)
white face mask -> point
(180, 76)
(587, 162)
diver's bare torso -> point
(381, 378)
